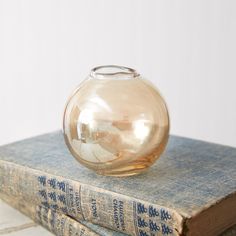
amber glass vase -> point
(116, 123)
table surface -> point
(13, 223)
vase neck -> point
(113, 72)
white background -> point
(187, 48)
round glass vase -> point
(116, 123)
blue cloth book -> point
(55, 221)
(190, 190)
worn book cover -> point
(55, 221)
(190, 190)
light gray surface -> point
(13, 223)
(186, 48)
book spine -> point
(116, 211)
(55, 222)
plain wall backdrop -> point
(186, 48)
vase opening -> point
(113, 72)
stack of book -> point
(190, 190)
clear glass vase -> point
(116, 123)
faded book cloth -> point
(190, 177)
(56, 222)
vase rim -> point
(113, 71)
